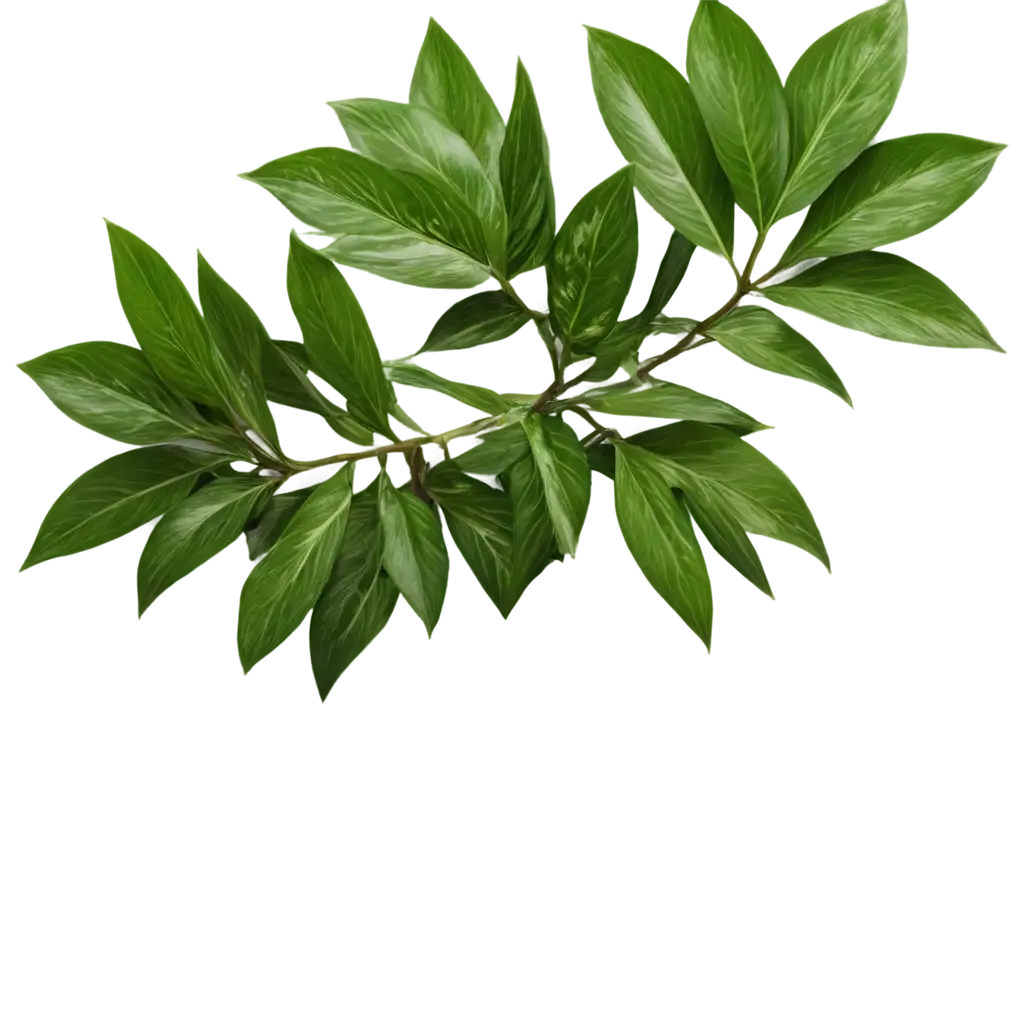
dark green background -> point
(176, 844)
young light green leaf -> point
(669, 401)
(469, 394)
(338, 339)
(840, 93)
(526, 181)
(415, 139)
(285, 585)
(670, 275)
(498, 449)
(476, 320)
(887, 296)
(193, 532)
(239, 337)
(534, 546)
(444, 80)
(660, 537)
(358, 599)
(118, 496)
(651, 114)
(415, 556)
(398, 226)
(479, 519)
(565, 473)
(740, 95)
(165, 321)
(761, 338)
(593, 261)
(113, 390)
(263, 532)
(713, 466)
(893, 190)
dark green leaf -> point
(338, 339)
(415, 139)
(415, 556)
(113, 390)
(194, 531)
(165, 321)
(398, 226)
(650, 112)
(526, 181)
(660, 537)
(593, 261)
(118, 496)
(445, 81)
(601, 458)
(498, 449)
(669, 401)
(262, 533)
(480, 521)
(761, 338)
(891, 191)
(533, 538)
(358, 599)
(239, 336)
(562, 464)
(740, 94)
(840, 93)
(469, 394)
(887, 296)
(670, 275)
(476, 320)
(285, 585)
(714, 467)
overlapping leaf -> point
(284, 586)
(741, 98)
(593, 261)
(887, 296)
(893, 190)
(398, 226)
(651, 113)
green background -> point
(819, 822)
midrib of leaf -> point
(747, 152)
(127, 398)
(879, 300)
(591, 263)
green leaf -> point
(285, 585)
(194, 531)
(887, 296)
(113, 390)
(764, 340)
(740, 95)
(711, 465)
(660, 537)
(893, 190)
(239, 337)
(415, 139)
(533, 537)
(601, 458)
(565, 473)
(840, 93)
(650, 112)
(526, 181)
(444, 80)
(670, 275)
(668, 401)
(415, 556)
(593, 261)
(469, 394)
(396, 225)
(165, 321)
(358, 599)
(338, 339)
(118, 496)
(476, 320)
(479, 519)
(498, 449)
(263, 532)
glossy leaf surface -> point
(263, 532)
(469, 394)
(476, 320)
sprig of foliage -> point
(441, 192)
